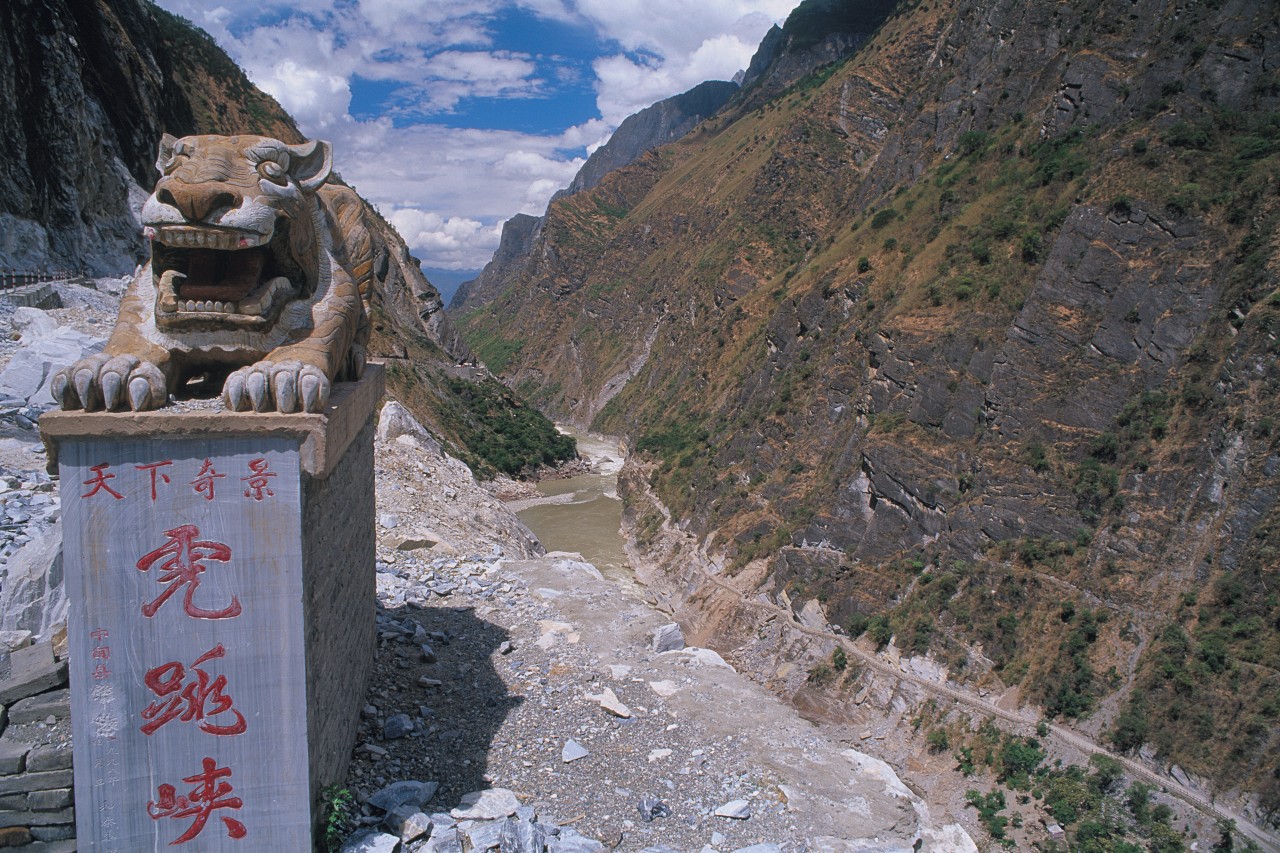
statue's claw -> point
(80, 385)
(147, 389)
(284, 383)
(234, 394)
(313, 387)
(112, 378)
(285, 386)
(256, 383)
(83, 380)
(60, 388)
(110, 390)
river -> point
(583, 513)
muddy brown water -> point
(583, 513)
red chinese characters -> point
(204, 483)
(99, 482)
(181, 565)
(101, 653)
(212, 791)
(258, 479)
(190, 694)
(154, 469)
(205, 479)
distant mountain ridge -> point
(655, 125)
(815, 35)
(663, 122)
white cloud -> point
(308, 94)
(451, 243)
(448, 189)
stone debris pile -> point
(36, 798)
(483, 820)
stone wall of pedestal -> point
(220, 573)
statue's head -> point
(233, 230)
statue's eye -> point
(272, 171)
(180, 154)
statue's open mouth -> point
(206, 276)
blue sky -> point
(453, 116)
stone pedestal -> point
(220, 572)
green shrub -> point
(972, 141)
(1186, 135)
(989, 807)
(1032, 246)
(883, 218)
(938, 740)
(502, 433)
(880, 631)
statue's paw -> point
(114, 383)
(286, 386)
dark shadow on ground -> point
(455, 722)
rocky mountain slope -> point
(86, 90)
(967, 340)
(663, 122)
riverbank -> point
(581, 512)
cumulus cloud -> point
(449, 188)
(450, 243)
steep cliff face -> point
(663, 122)
(86, 90)
(816, 33)
(971, 338)
(507, 264)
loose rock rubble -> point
(546, 709)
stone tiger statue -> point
(260, 272)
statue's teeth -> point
(167, 291)
(188, 306)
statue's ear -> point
(310, 163)
(168, 143)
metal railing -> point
(11, 279)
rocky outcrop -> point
(86, 90)
(663, 122)
(507, 263)
(815, 34)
